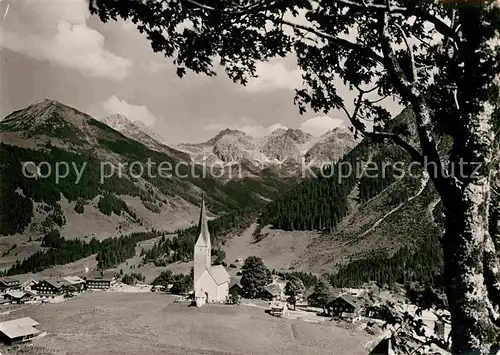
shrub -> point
(79, 206)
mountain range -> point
(282, 148)
(50, 133)
(321, 224)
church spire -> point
(204, 238)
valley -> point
(319, 225)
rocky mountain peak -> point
(120, 123)
(48, 118)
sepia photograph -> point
(249, 177)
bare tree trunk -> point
(464, 242)
(472, 274)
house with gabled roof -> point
(17, 296)
(50, 287)
(345, 307)
(9, 283)
(273, 292)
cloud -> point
(133, 112)
(320, 124)
(57, 31)
(273, 76)
(155, 66)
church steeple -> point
(203, 247)
(204, 238)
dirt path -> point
(423, 184)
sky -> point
(54, 49)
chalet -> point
(50, 287)
(313, 301)
(17, 297)
(75, 283)
(18, 330)
(273, 292)
(99, 280)
(28, 284)
(345, 307)
(8, 283)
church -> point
(211, 283)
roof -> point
(17, 294)
(353, 301)
(273, 289)
(74, 280)
(219, 274)
(55, 283)
(19, 327)
(204, 238)
(9, 280)
(334, 292)
(234, 281)
(27, 282)
(103, 276)
(16, 332)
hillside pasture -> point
(151, 324)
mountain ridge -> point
(281, 149)
(52, 132)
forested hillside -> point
(317, 203)
(181, 247)
(376, 221)
(58, 251)
(53, 133)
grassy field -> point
(109, 323)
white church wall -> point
(222, 292)
(206, 284)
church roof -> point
(219, 274)
(204, 238)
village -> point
(213, 287)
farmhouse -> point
(345, 307)
(211, 283)
(100, 280)
(313, 298)
(273, 292)
(28, 284)
(75, 283)
(18, 330)
(8, 283)
(17, 297)
(50, 287)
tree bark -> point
(470, 254)
(464, 243)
